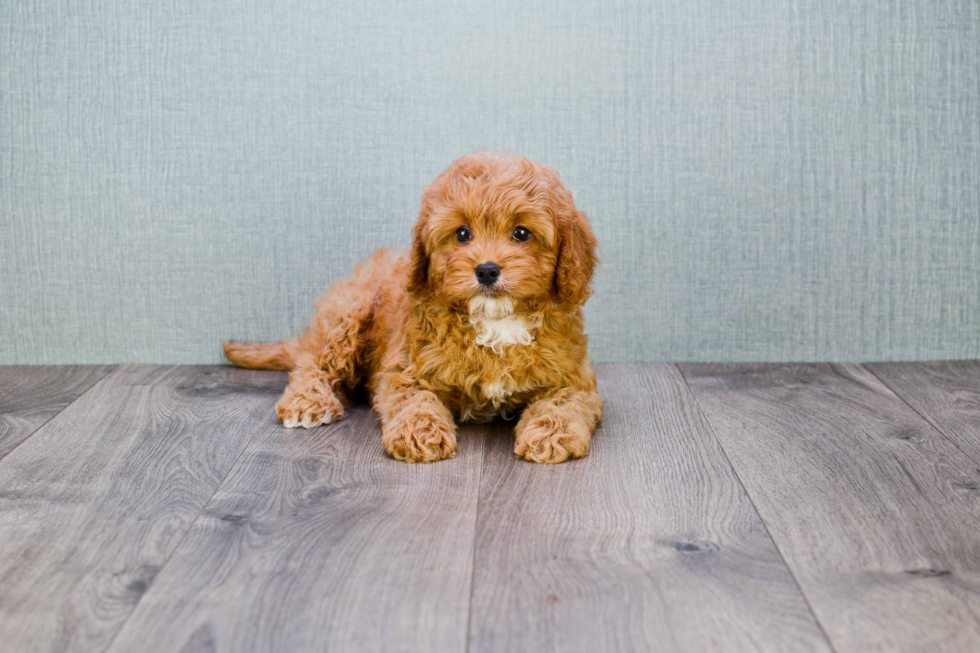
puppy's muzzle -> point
(487, 274)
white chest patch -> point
(497, 326)
(496, 392)
(497, 334)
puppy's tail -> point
(259, 355)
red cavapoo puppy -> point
(482, 317)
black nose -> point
(487, 273)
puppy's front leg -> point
(558, 425)
(415, 425)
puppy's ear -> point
(576, 257)
(418, 265)
(576, 244)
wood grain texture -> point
(649, 543)
(868, 503)
(318, 541)
(945, 393)
(95, 502)
(32, 395)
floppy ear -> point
(576, 258)
(418, 265)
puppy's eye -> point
(463, 234)
(521, 234)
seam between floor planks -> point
(928, 424)
(326, 515)
(113, 477)
(928, 419)
(54, 415)
(854, 436)
(476, 528)
(752, 501)
(647, 543)
(183, 537)
(109, 370)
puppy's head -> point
(497, 230)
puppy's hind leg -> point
(328, 359)
(309, 400)
(325, 365)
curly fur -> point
(432, 346)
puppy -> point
(481, 318)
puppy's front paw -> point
(419, 436)
(301, 409)
(551, 437)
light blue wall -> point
(769, 180)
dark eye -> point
(521, 234)
(463, 234)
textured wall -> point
(769, 180)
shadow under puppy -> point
(482, 317)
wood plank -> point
(865, 500)
(318, 541)
(649, 543)
(946, 393)
(30, 395)
(95, 502)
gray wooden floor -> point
(723, 507)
